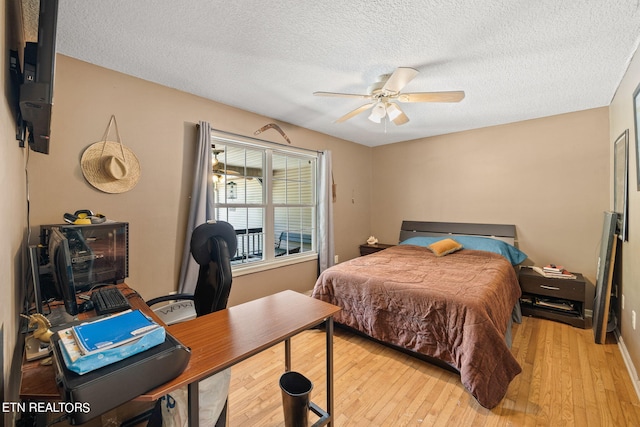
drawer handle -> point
(551, 288)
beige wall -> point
(548, 176)
(621, 116)
(12, 221)
(158, 124)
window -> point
(274, 213)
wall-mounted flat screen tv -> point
(36, 90)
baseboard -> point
(633, 374)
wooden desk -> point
(221, 339)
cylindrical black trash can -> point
(296, 390)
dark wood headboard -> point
(505, 232)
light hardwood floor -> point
(566, 380)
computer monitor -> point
(34, 291)
(62, 271)
(99, 252)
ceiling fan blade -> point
(452, 96)
(355, 112)
(399, 79)
(342, 95)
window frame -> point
(269, 260)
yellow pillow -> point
(444, 247)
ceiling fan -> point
(222, 171)
(386, 90)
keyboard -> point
(109, 300)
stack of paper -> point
(553, 271)
(553, 268)
(91, 345)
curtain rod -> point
(264, 141)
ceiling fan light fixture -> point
(393, 111)
(215, 161)
(378, 112)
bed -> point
(455, 307)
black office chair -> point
(212, 246)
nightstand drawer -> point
(571, 289)
(367, 249)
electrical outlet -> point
(633, 319)
(336, 259)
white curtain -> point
(326, 250)
(201, 209)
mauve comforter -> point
(455, 308)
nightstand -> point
(562, 300)
(367, 249)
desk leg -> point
(287, 355)
(329, 333)
(193, 395)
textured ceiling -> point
(515, 59)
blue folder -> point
(112, 331)
(108, 340)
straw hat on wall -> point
(109, 166)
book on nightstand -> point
(553, 268)
(555, 273)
